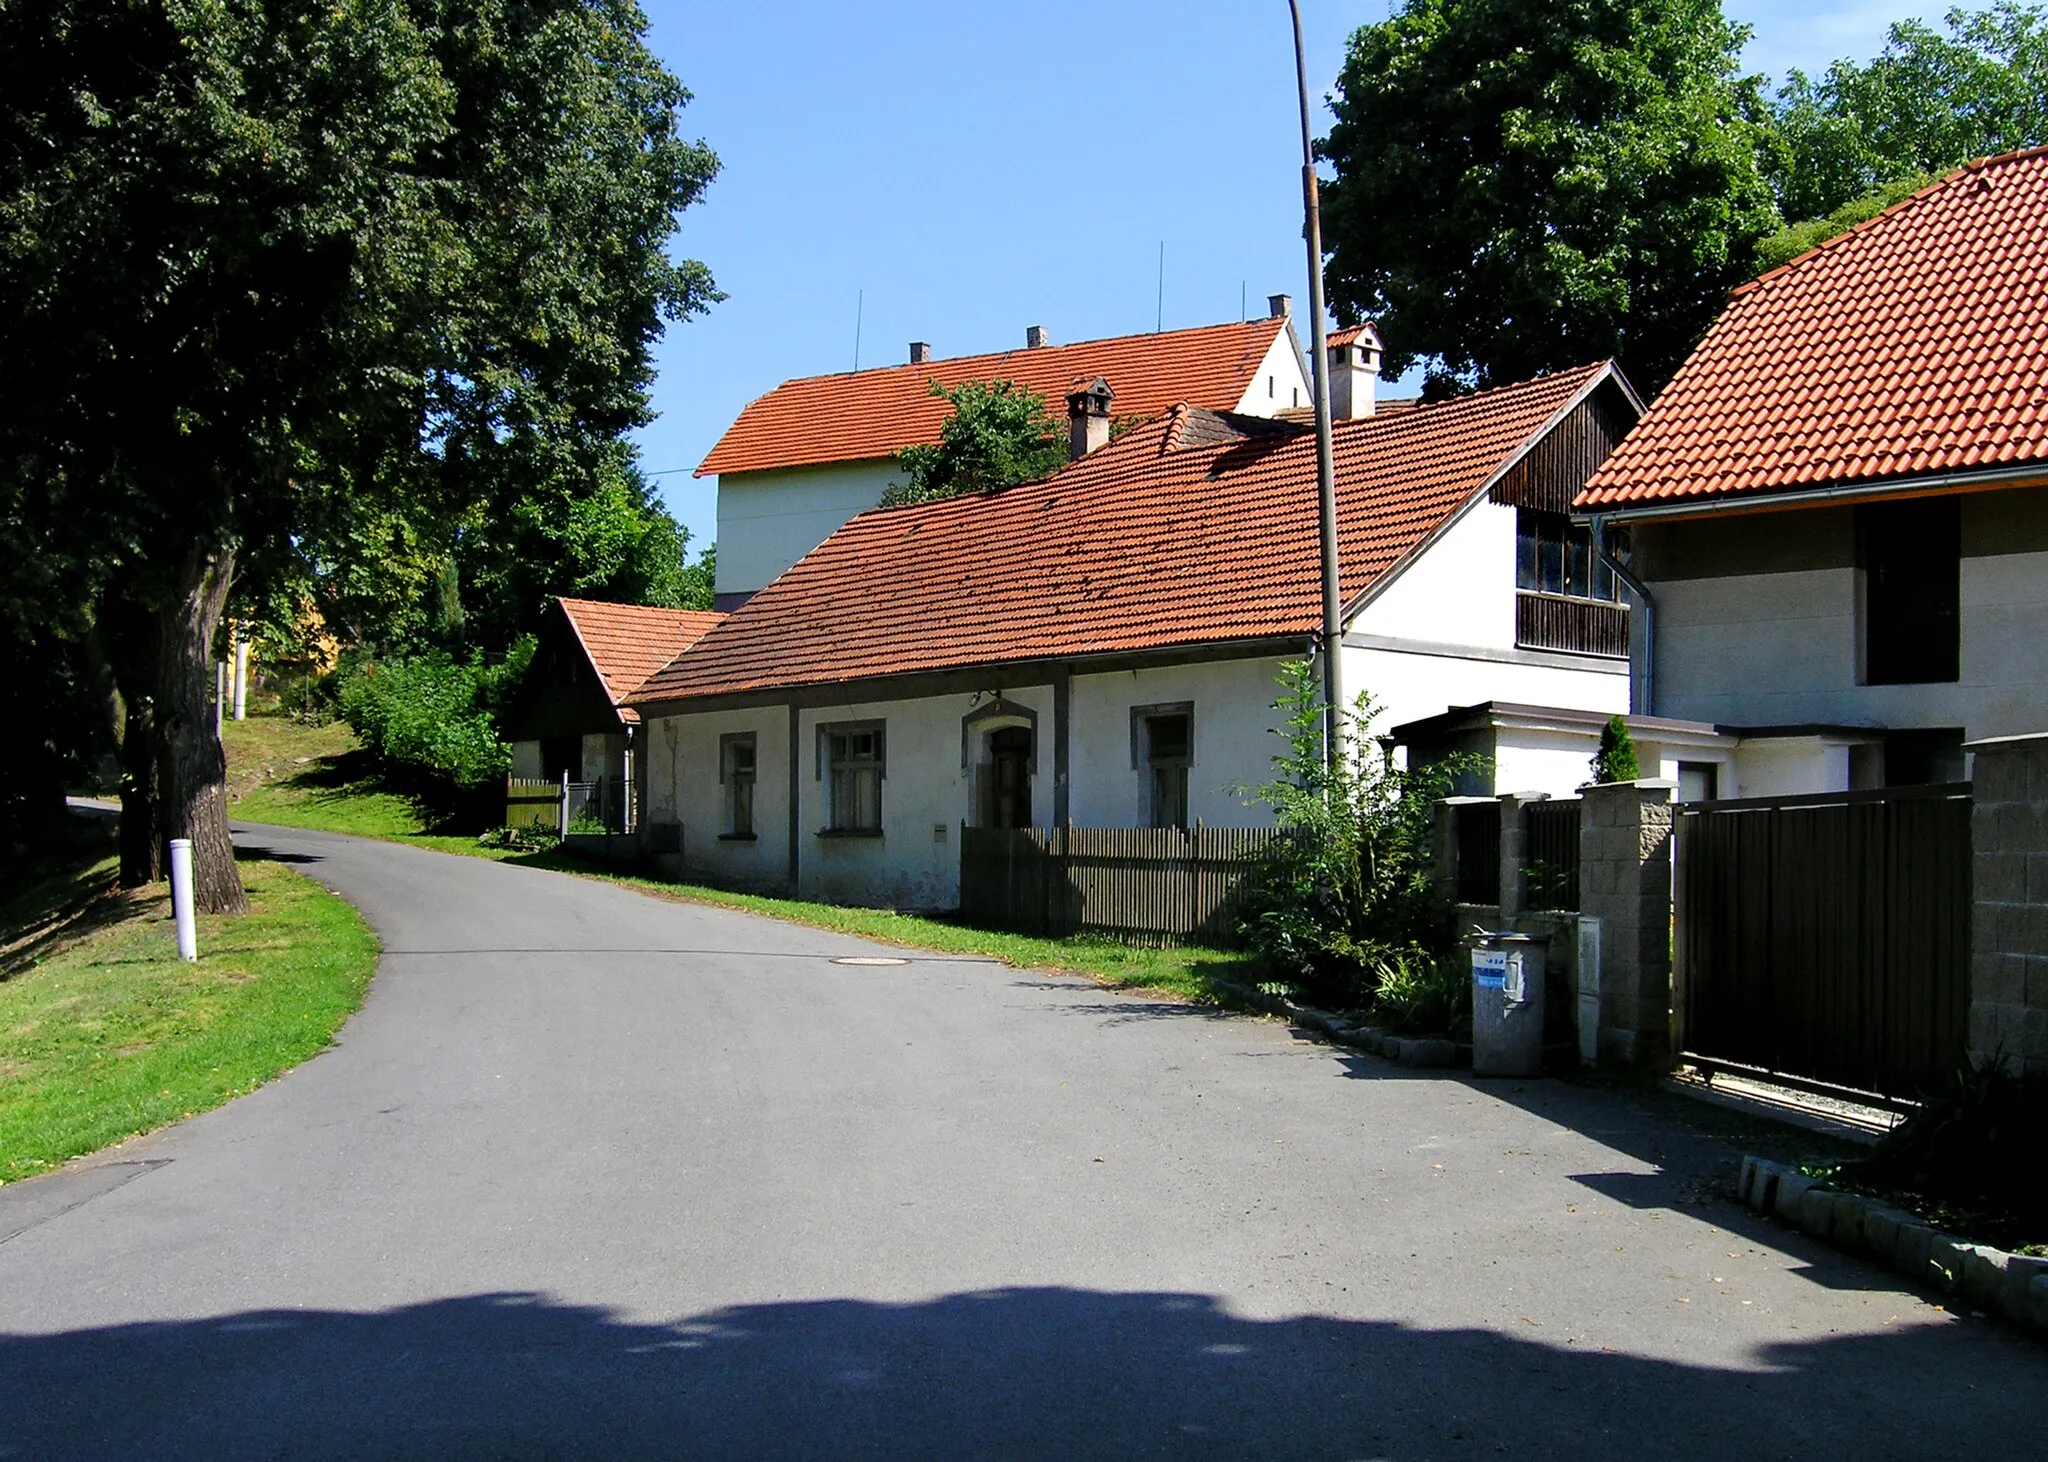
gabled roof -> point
(865, 415)
(1195, 530)
(627, 643)
(1914, 344)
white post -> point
(181, 898)
(241, 676)
(562, 810)
(220, 694)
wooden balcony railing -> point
(1580, 626)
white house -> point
(812, 453)
(1102, 648)
(1838, 510)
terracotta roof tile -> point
(629, 642)
(864, 415)
(1915, 343)
(1194, 529)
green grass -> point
(293, 775)
(105, 1033)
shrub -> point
(1345, 896)
(1615, 761)
(430, 714)
(1975, 1146)
(1420, 993)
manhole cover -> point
(869, 959)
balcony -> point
(1576, 626)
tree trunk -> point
(142, 848)
(191, 767)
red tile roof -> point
(1195, 529)
(1916, 343)
(627, 643)
(865, 415)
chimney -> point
(1354, 374)
(1279, 306)
(920, 353)
(1088, 418)
(1035, 337)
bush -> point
(1975, 1147)
(1345, 897)
(432, 715)
(1420, 993)
(519, 839)
(1615, 761)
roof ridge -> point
(1035, 350)
(1918, 195)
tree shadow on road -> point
(1009, 1373)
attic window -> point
(1554, 555)
(1911, 561)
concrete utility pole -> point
(241, 675)
(1326, 470)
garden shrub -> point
(433, 716)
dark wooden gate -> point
(1827, 937)
(1142, 885)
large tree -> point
(1926, 103)
(997, 435)
(280, 282)
(1523, 185)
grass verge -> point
(105, 1033)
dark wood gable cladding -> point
(561, 693)
(1556, 469)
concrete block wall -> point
(1625, 882)
(2009, 927)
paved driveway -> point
(597, 1175)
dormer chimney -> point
(1279, 306)
(920, 353)
(1088, 418)
(1035, 337)
(1354, 373)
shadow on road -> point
(1026, 1372)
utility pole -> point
(1326, 471)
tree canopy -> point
(300, 297)
(998, 435)
(1527, 184)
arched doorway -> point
(1005, 790)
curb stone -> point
(1402, 1050)
(2014, 1286)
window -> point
(851, 758)
(1168, 739)
(1912, 584)
(1554, 555)
(736, 775)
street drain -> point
(869, 959)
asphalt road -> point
(597, 1175)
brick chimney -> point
(1088, 418)
(920, 353)
(1279, 306)
(1354, 373)
(1035, 337)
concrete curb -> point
(2012, 1285)
(1424, 1053)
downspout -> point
(1649, 605)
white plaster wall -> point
(1556, 762)
(681, 772)
(769, 520)
(1774, 768)
(926, 793)
(1780, 649)
(1460, 592)
(603, 756)
(1281, 383)
(1407, 686)
(1235, 741)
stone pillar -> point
(1625, 883)
(1514, 849)
(2009, 924)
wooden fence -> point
(1827, 938)
(531, 802)
(1145, 885)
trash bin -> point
(1507, 1002)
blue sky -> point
(954, 172)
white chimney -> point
(1354, 373)
(920, 353)
(1088, 418)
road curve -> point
(594, 1174)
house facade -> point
(568, 720)
(1104, 648)
(1838, 510)
(810, 455)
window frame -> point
(1555, 555)
(730, 779)
(1150, 766)
(827, 774)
